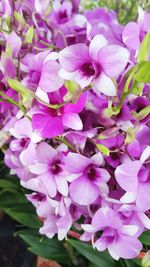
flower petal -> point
(46, 125)
(96, 44)
(103, 84)
(76, 163)
(72, 120)
(113, 59)
(83, 192)
(73, 56)
(131, 35)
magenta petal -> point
(131, 35)
(83, 192)
(77, 107)
(72, 120)
(113, 59)
(71, 57)
(76, 163)
(47, 126)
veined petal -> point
(113, 59)
(47, 126)
(73, 56)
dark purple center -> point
(91, 173)
(34, 78)
(55, 167)
(24, 142)
(39, 197)
(87, 69)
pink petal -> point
(62, 185)
(15, 43)
(101, 244)
(72, 120)
(50, 81)
(143, 197)
(131, 35)
(96, 44)
(126, 175)
(73, 56)
(76, 163)
(83, 192)
(39, 168)
(22, 128)
(113, 59)
(81, 79)
(126, 247)
(103, 84)
(105, 217)
(49, 184)
(45, 153)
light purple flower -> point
(118, 238)
(136, 183)
(86, 176)
(98, 63)
(49, 171)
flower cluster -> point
(74, 116)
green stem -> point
(48, 45)
(13, 102)
(65, 141)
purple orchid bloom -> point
(98, 63)
(49, 171)
(86, 176)
(136, 183)
(60, 219)
(52, 122)
(117, 237)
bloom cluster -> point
(74, 116)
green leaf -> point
(29, 35)
(20, 19)
(72, 86)
(10, 198)
(26, 219)
(103, 149)
(145, 238)
(143, 73)
(144, 49)
(45, 247)
(130, 137)
(99, 258)
(5, 184)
